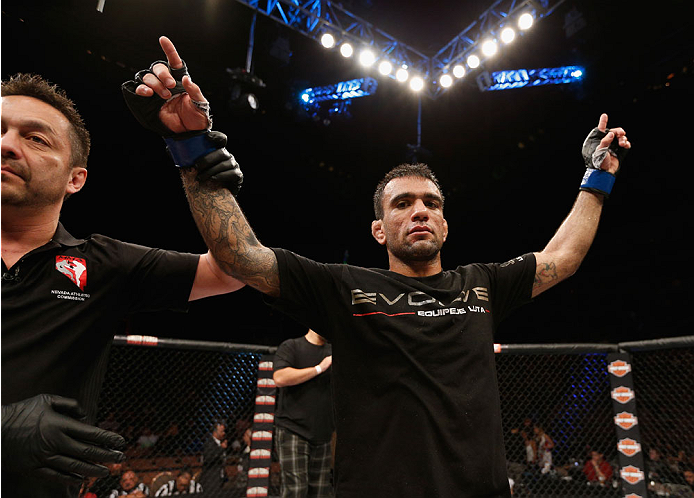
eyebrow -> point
(37, 125)
(409, 195)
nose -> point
(10, 145)
(419, 211)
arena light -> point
(507, 35)
(525, 21)
(327, 40)
(401, 74)
(446, 80)
(459, 71)
(346, 50)
(342, 90)
(489, 48)
(519, 78)
(367, 58)
(416, 83)
(385, 68)
(473, 61)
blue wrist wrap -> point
(597, 180)
(185, 152)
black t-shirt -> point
(62, 304)
(417, 409)
(306, 408)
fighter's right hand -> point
(165, 100)
(42, 437)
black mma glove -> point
(42, 437)
(596, 179)
(220, 165)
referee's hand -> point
(43, 437)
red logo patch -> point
(626, 420)
(619, 368)
(73, 268)
(628, 447)
(631, 474)
(622, 394)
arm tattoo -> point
(546, 273)
(229, 236)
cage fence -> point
(563, 418)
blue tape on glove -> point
(597, 180)
(187, 151)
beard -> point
(420, 250)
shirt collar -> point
(63, 237)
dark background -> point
(509, 161)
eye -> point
(38, 139)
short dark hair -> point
(417, 169)
(33, 85)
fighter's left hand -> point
(611, 163)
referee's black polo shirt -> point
(63, 302)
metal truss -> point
(313, 18)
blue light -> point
(342, 90)
(518, 78)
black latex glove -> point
(42, 436)
(220, 165)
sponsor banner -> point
(629, 444)
(262, 430)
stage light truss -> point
(519, 78)
(314, 18)
(344, 90)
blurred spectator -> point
(597, 470)
(130, 486)
(184, 484)
(146, 441)
(657, 469)
(544, 449)
(529, 444)
(688, 475)
(214, 453)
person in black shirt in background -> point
(304, 418)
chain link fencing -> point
(559, 415)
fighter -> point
(415, 389)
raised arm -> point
(565, 251)
(228, 235)
(165, 100)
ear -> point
(445, 229)
(78, 177)
(377, 231)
